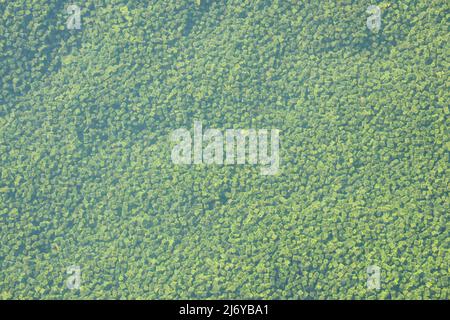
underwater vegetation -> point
(86, 177)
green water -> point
(86, 172)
